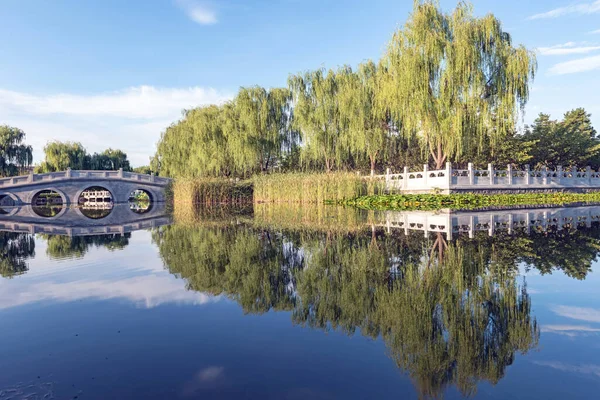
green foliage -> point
(317, 114)
(467, 201)
(14, 155)
(449, 86)
(109, 160)
(62, 155)
(144, 169)
(569, 142)
(456, 79)
(244, 136)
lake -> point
(300, 303)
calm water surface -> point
(302, 304)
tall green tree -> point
(571, 141)
(14, 154)
(263, 124)
(58, 156)
(317, 116)
(365, 115)
(455, 79)
(110, 159)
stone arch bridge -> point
(69, 184)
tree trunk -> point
(438, 155)
(373, 158)
(327, 165)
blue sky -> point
(116, 73)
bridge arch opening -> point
(8, 202)
(95, 202)
(140, 201)
(48, 203)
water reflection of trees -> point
(15, 249)
(449, 314)
(61, 247)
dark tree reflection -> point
(448, 315)
(15, 249)
(60, 247)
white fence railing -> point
(490, 179)
(470, 222)
(81, 174)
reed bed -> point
(212, 215)
(312, 188)
(211, 191)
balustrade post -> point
(588, 174)
(30, 178)
(405, 179)
(545, 175)
(68, 174)
(509, 173)
(559, 173)
(527, 174)
(152, 177)
(120, 173)
(491, 173)
(471, 175)
(387, 179)
(425, 175)
(449, 174)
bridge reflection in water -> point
(83, 220)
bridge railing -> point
(81, 174)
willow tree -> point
(58, 156)
(317, 116)
(456, 79)
(263, 116)
(14, 154)
(364, 114)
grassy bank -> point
(467, 201)
(315, 188)
(211, 191)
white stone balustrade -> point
(471, 179)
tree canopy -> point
(571, 141)
(58, 156)
(14, 154)
(456, 79)
(450, 85)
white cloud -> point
(133, 102)
(206, 377)
(597, 31)
(579, 313)
(130, 119)
(570, 330)
(584, 369)
(565, 49)
(578, 9)
(200, 12)
(575, 66)
(144, 291)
